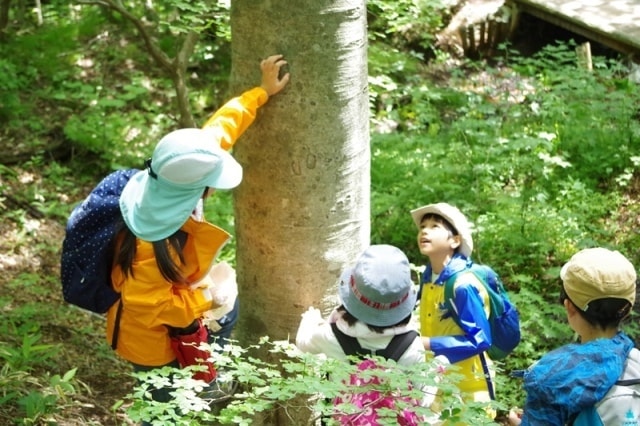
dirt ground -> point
(31, 299)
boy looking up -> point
(444, 237)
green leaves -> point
(538, 153)
(293, 379)
(37, 395)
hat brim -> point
(154, 208)
(417, 214)
(229, 173)
(598, 273)
(367, 314)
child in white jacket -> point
(378, 298)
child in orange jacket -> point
(165, 249)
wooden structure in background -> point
(612, 23)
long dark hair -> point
(170, 269)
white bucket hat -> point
(455, 218)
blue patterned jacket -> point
(573, 378)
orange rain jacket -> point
(149, 302)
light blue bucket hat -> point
(156, 202)
(378, 289)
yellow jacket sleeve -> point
(234, 117)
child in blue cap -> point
(377, 298)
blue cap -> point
(156, 202)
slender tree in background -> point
(184, 21)
(302, 210)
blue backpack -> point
(87, 249)
(503, 317)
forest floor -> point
(32, 303)
(31, 300)
(29, 271)
(31, 297)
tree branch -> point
(175, 68)
(158, 55)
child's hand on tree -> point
(271, 81)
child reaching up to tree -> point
(165, 247)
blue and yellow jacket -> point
(461, 344)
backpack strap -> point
(398, 345)
(422, 281)
(394, 350)
(116, 326)
(448, 300)
(628, 382)
(449, 294)
(349, 344)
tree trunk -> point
(4, 15)
(302, 210)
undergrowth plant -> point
(541, 168)
(541, 155)
(30, 392)
(293, 380)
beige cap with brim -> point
(598, 273)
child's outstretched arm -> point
(234, 117)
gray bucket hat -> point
(378, 289)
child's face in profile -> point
(435, 237)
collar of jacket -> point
(457, 263)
